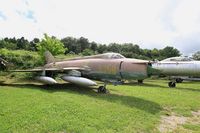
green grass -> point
(27, 107)
(192, 127)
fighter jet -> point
(108, 67)
(178, 68)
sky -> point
(148, 23)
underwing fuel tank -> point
(79, 80)
(178, 68)
(46, 80)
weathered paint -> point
(118, 69)
(102, 76)
(133, 70)
(109, 66)
(152, 71)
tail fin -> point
(49, 57)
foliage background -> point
(28, 54)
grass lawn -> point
(28, 107)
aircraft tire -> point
(172, 84)
(140, 81)
(102, 89)
(179, 80)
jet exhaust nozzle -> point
(46, 80)
(79, 80)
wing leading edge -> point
(51, 69)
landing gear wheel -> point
(179, 80)
(172, 84)
(140, 81)
(102, 89)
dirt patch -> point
(173, 122)
(170, 123)
(195, 119)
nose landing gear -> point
(102, 89)
(172, 84)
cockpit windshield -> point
(112, 56)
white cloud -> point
(2, 16)
(151, 24)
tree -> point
(50, 44)
(168, 52)
(114, 47)
(102, 48)
(147, 53)
(155, 53)
(135, 49)
(7, 44)
(83, 44)
(33, 44)
(87, 52)
(94, 46)
(196, 55)
(23, 43)
(70, 44)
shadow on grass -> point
(146, 85)
(166, 86)
(130, 101)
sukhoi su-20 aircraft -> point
(108, 67)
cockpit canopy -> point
(178, 59)
(102, 56)
(105, 56)
(111, 56)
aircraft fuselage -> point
(185, 68)
(103, 69)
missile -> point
(79, 80)
(45, 80)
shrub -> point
(21, 59)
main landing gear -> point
(102, 89)
(140, 81)
(179, 80)
(172, 83)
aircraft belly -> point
(102, 75)
(134, 75)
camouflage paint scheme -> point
(108, 67)
(101, 67)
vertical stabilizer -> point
(49, 57)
